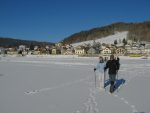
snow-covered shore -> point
(66, 56)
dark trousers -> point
(112, 78)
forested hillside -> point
(137, 31)
(10, 42)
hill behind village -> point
(11, 42)
(136, 31)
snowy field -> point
(108, 39)
(66, 85)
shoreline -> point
(70, 56)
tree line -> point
(10, 42)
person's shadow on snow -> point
(118, 83)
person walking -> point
(113, 66)
(100, 72)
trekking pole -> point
(104, 80)
(95, 78)
(117, 80)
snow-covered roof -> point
(120, 45)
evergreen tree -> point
(124, 41)
(31, 46)
(115, 42)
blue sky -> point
(53, 20)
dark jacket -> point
(113, 66)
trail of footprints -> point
(91, 106)
(56, 87)
(134, 110)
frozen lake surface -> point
(66, 85)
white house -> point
(79, 50)
(22, 47)
(35, 48)
(135, 50)
(106, 51)
(127, 46)
(147, 48)
(47, 47)
(129, 42)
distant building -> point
(36, 48)
(80, 50)
(91, 51)
(63, 50)
(47, 47)
(36, 52)
(56, 51)
(106, 51)
(120, 51)
(127, 46)
(134, 50)
(142, 48)
(58, 44)
(147, 49)
(69, 51)
(129, 42)
(2, 50)
(22, 47)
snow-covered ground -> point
(108, 39)
(66, 85)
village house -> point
(128, 49)
(1, 50)
(69, 51)
(11, 51)
(47, 48)
(91, 51)
(113, 49)
(22, 50)
(127, 46)
(147, 49)
(36, 48)
(142, 49)
(56, 51)
(129, 42)
(63, 50)
(120, 51)
(35, 52)
(132, 49)
(80, 50)
(106, 51)
(42, 50)
(22, 47)
(58, 44)
(135, 50)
